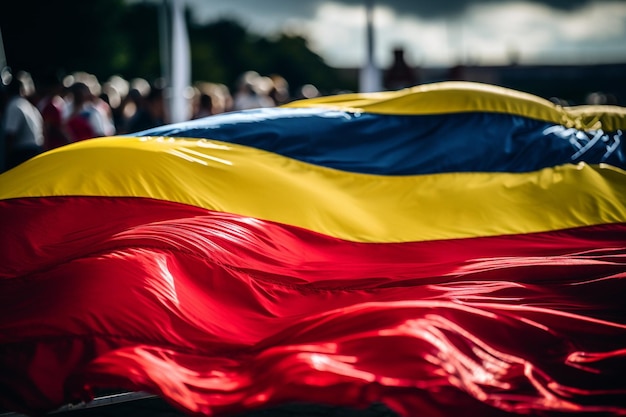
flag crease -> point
(449, 249)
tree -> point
(114, 37)
(227, 50)
(44, 37)
(140, 28)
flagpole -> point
(180, 64)
(3, 57)
(164, 41)
(370, 74)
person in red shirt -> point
(78, 124)
(52, 107)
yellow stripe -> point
(358, 207)
(458, 96)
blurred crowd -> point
(39, 115)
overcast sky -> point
(440, 32)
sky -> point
(439, 32)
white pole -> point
(180, 65)
(3, 57)
(164, 41)
(370, 79)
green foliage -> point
(108, 37)
(140, 26)
(54, 37)
(227, 50)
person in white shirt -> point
(252, 92)
(22, 124)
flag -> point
(448, 249)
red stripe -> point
(52, 230)
(218, 312)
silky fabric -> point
(450, 249)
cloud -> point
(540, 33)
(279, 10)
(440, 32)
(485, 33)
(337, 32)
(452, 8)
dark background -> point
(110, 37)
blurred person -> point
(399, 75)
(22, 121)
(112, 96)
(88, 115)
(226, 98)
(102, 116)
(600, 98)
(27, 87)
(78, 125)
(52, 106)
(252, 92)
(122, 87)
(204, 106)
(138, 90)
(559, 101)
(308, 91)
(222, 99)
(150, 111)
(210, 98)
(280, 90)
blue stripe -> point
(406, 144)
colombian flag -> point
(452, 249)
